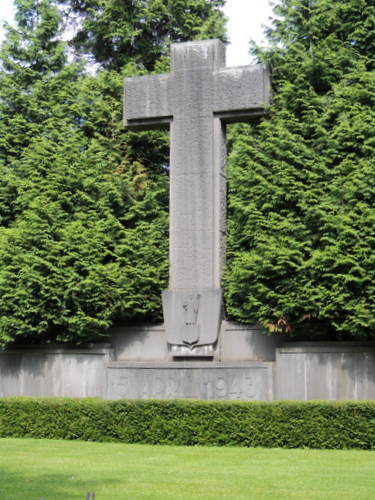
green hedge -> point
(275, 424)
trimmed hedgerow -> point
(315, 424)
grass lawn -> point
(31, 469)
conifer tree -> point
(83, 203)
(31, 57)
(75, 211)
(302, 182)
(116, 32)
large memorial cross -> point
(195, 101)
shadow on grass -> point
(17, 486)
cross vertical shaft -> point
(196, 135)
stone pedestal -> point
(239, 365)
(236, 343)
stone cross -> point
(195, 101)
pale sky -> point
(246, 18)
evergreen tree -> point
(76, 208)
(83, 203)
(115, 32)
(302, 182)
(31, 60)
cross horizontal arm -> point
(241, 92)
(146, 103)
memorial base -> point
(190, 380)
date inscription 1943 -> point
(241, 383)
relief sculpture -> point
(192, 320)
(190, 331)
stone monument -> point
(195, 354)
(188, 357)
(195, 101)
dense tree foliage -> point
(83, 203)
(113, 32)
(302, 182)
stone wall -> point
(138, 364)
(54, 371)
(325, 370)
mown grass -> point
(31, 469)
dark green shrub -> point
(207, 423)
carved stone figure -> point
(190, 334)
